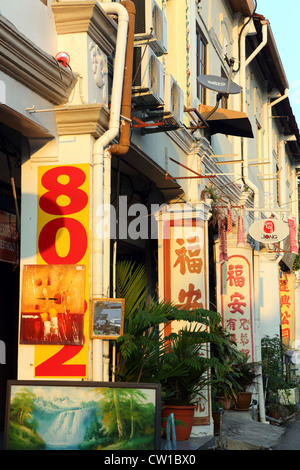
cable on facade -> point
(240, 36)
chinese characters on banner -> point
(184, 270)
(185, 278)
(287, 307)
(236, 300)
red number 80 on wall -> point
(62, 234)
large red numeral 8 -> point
(63, 181)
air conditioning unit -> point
(148, 73)
(174, 101)
(150, 24)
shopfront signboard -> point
(185, 279)
(235, 288)
(269, 231)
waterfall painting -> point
(48, 415)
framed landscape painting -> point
(50, 415)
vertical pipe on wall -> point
(98, 170)
(124, 138)
(245, 172)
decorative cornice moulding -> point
(73, 17)
(82, 119)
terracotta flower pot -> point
(243, 401)
(225, 401)
(181, 413)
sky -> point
(284, 18)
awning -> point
(27, 127)
(226, 121)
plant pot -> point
(225, 401)
(243, 401)
(181, 413)
(274, 413)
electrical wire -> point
(240, 36)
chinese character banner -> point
(235, 298)
(185, 265)
(287, 305)
(185, 279)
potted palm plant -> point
(182, 388)
(147, 355)
(176, 361)
(246, 378)
(224, 354)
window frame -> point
(201, 63)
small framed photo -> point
(107, 318)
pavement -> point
(239, 431)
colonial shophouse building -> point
(187, 135)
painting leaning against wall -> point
(88, 416)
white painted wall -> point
(269, 298)
(33, 19)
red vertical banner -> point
(235, 299)
(185, 279)
(293, 234)
(185, 263)
(287, 308)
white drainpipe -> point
(98, 174)
(244, 64)
(254, 188)
(262, 44)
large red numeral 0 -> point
(78, 241)
(76, 200)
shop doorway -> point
(10, 194)
(9, 294)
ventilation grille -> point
(140, 16)
(150, 24)
(137, 66)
